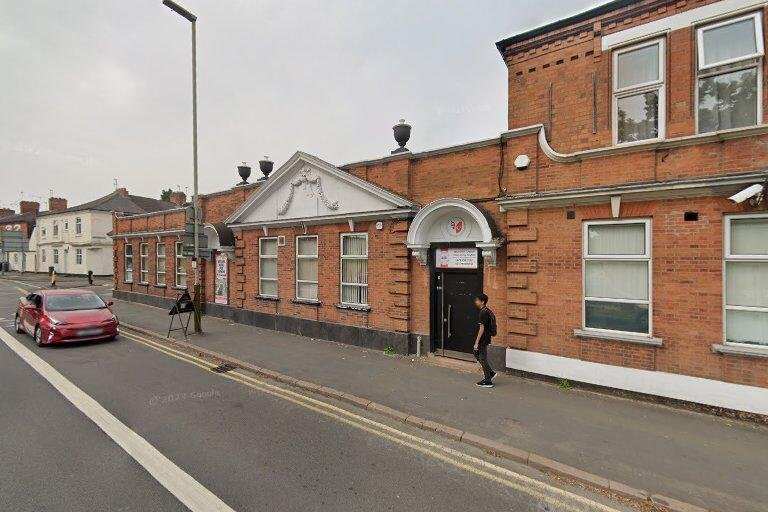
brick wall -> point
(545, 290)
(562, 78)
(388, 275)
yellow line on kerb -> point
(477, 466)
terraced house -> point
(619, 226)
(75, 240)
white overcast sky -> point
(97, 90)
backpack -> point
(493, 324)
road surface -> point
(127, 425)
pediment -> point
(306, 189)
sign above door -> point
(456, 257)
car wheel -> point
(17, 325)
(38, 336)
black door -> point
(457, 311)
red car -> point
(60, 316)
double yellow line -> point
(554, 496)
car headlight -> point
(57, 322)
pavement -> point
(697, 458)
(251, 444)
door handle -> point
(449, 320)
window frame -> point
(316, 256)
(126, 257)
(55, 256)
(78, 226)
(646, 257)
(143, 263)
(742, 258)
(78, 256)
(733, 65)
(55, 228)
(275, 257)
(659, 85)
(179, 269)
(342, 257)
(728, 21)
(159, 272)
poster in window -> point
(222, 279)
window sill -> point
(355, 307)
(268, 297)
(629, 338)
(180, 288)
(159, 286)
(740, 350)
(307, 302)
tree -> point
(165, 194)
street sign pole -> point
(178, 9)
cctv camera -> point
(747, 193)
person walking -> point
(486, 329)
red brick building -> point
(599, 224)
(15, 233)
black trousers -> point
(481, 354)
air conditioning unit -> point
(281, 240)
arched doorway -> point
(455, 240)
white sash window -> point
(638, 92)
(354, 269)
(306, 268)
(144, 263)
(268, 267)
(746, 279)
(729, 90)
(181, 269)
(617, 276)
(160, 264)
(128, 274)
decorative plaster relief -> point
(312, 185)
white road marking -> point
(563, 500)
(188, 490)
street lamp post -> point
(195, 206)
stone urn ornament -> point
(244, 171)
(266, 166)
(402, 133)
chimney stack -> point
(56, 204)
(178, 198)
(5, 212)
(29, 207)
(122, 192)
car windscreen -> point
(74, 302)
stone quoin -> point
(599, 224)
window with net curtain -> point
(144, 263)
(306, 268)
(268, 267)
(128, 274)
(354, 269)
(729, 56)
(746, 280)
(617, 277)
(160, 265)
(638, 91)
(181, 269)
